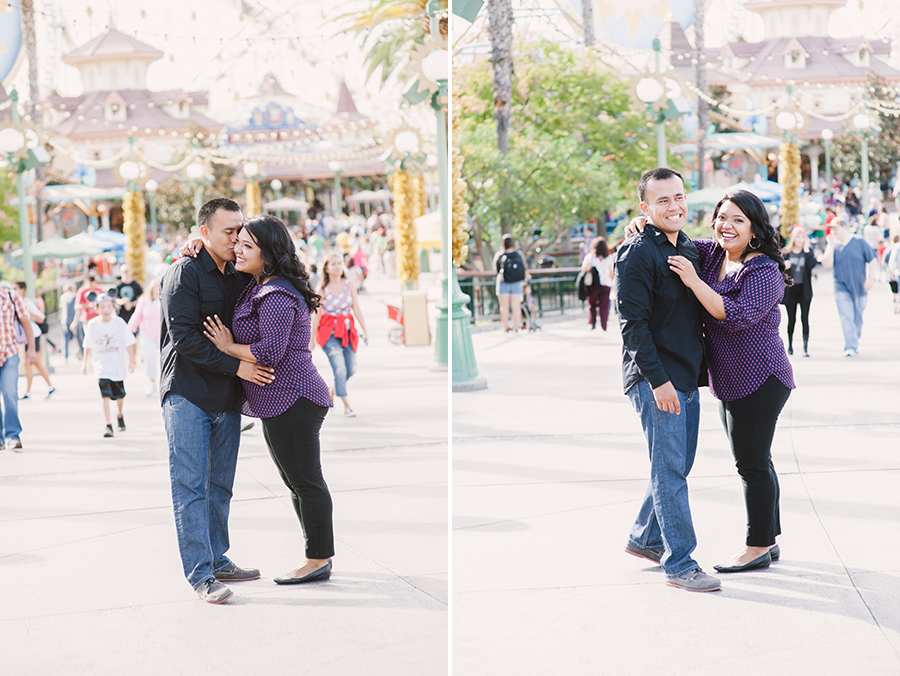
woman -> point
(511, 277)
(600, 264)
(271, 326)
(146, 320)
(334, 328)
(40, 327)
(741, 280)
(800, 261)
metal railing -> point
(553, 291)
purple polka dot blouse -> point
(745, 348)
(274, 320)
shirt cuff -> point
(231, 364)
(657, 378)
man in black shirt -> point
(200, 397)
(662, 366)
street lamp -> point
(276, 186)
(195, 172)
(336, 168)
(151, 187)
(862, 123)
(652, 91)
(827, 135)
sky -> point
(222, 46)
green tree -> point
(883, 139)
(578, 145)
(9, 216)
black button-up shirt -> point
(659, 316)
(190, 365)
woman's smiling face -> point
(732, 229)
(247, 256)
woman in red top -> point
(333, 325)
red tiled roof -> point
(111, 44)
(142, 115)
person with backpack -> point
(511, 275)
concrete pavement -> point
(92, 581)
(549, 466)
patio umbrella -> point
(706, 198)
(59, 247)
(767, 191)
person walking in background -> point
(851, 257)
(146, 321)
(800, 260)
(110, 349)
(662, 357)
(200, 398)
(40, 327)
(599, 264)
(15, 329)
(891, 260)
(334, 328)
(272, 326)
(86, 305)
(127, 293)
(67, 316)
(511, 275)
(584, 246)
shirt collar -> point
(659, 236)
(209, 264)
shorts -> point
(112, 389)
(894, 286)
(509, 288)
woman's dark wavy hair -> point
(280, 257)
(769, 242)
(599, 247)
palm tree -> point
(702, 106)
(28, 38)
(500, 22)
(587, 18)
(393, 27)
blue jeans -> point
(10, 427)
(664, 520)
(343, 364)
(203, 449)
(850, 310)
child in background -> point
(110, 347)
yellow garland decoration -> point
(416, 193)
(254, 200)
(408, 265)
(790, 180)
(459, 208)
(135, 229)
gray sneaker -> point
(235, 574)
(652, 555)
(695, 580)
(213, 591)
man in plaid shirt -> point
(11, 308)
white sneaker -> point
(849, 353)
(349, 413)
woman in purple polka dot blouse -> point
(272, 327)
(740, 283)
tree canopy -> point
(578, 145)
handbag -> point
(21, 338)
(589, 278)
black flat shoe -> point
(761, 562)
(775, 553)
(322, 573)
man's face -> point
(665, 204)
(220, 234)
(125, 271)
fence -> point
(553, 290)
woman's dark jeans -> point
(793, 296)
(293, 441)
(750, 425)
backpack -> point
(513, 267)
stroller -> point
(529, 310)
(395, 332)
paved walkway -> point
(549, 465)
(92, 581)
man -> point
(662, 366)
(853, 261)
(200, 398)
(127, 293)
(12, 310)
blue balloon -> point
(11, 39)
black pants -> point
(750, 425)
(293, 441)
(793, 296)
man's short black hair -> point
(658, 174)
(507, 241)
(211, 207)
